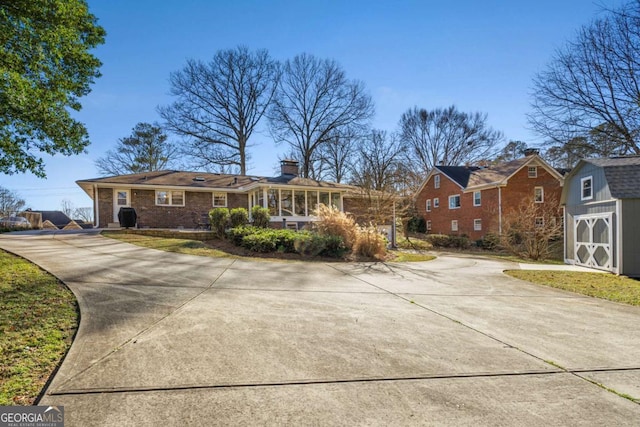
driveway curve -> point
(170, 339)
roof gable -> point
(500, 173)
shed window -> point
(586, 185)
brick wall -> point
(519, 187)
(153, 216)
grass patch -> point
(600, 285)
(38, 319)
(181, 246)
(402, 256)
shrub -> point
(264, 240)
(489, 241)
(417, 224)
(333, 222)
(236, 234)
(260, 217)
(445, 241)
(314, 244)
(370, 243)
(219, 218)
(238, 217)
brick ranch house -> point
(176, 199)
(474, 200)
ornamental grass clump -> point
(370, 243)
(333, 222)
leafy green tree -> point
(45, 67)
(146, 150)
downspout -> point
(499, 210)
(96, 206)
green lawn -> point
(181, 246)
(607, 286)
(38, 319)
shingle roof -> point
(460, 174)
(172, 178)
(497, 173)
(622, 174)
(57, 218)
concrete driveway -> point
(169, 339)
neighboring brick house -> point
(171, 199)
(473, 201)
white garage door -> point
(593, 241)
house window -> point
(477, 198)
(286, 202)
(586, 185)
(300, 202)
(477, 224)
(169, 198)
(454, 201)
(436, 202)
(428, 225)
(538, 194)
(219, 200)
(436, 181)
(539, 222)
(428, 205)
(454, 225)
(533, 171)
(273, 201)
(121, 198)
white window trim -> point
(535, 169)
(582, 181)
(541, 218)
(535, 190)
(436, 181)
(436, 202)
(454, 225)
(459, 201)
(213, 199)
(477, 224)
(479, 193)
(170, 193)
(428, 225)
(428, 205)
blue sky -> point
(478, 55)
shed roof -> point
(622, 174)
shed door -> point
(593, 241)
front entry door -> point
(121, 199)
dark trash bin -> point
(127, 217)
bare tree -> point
(446, 137)
(84, 214)
(67, 207)
(337, 156)
(220, 103)
(513, 150)
(378, 158)
(594, 80)
(146, 149)
(314, 102)
(531, 229)
(10, 202)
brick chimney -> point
(289, 167)
(531, 151)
